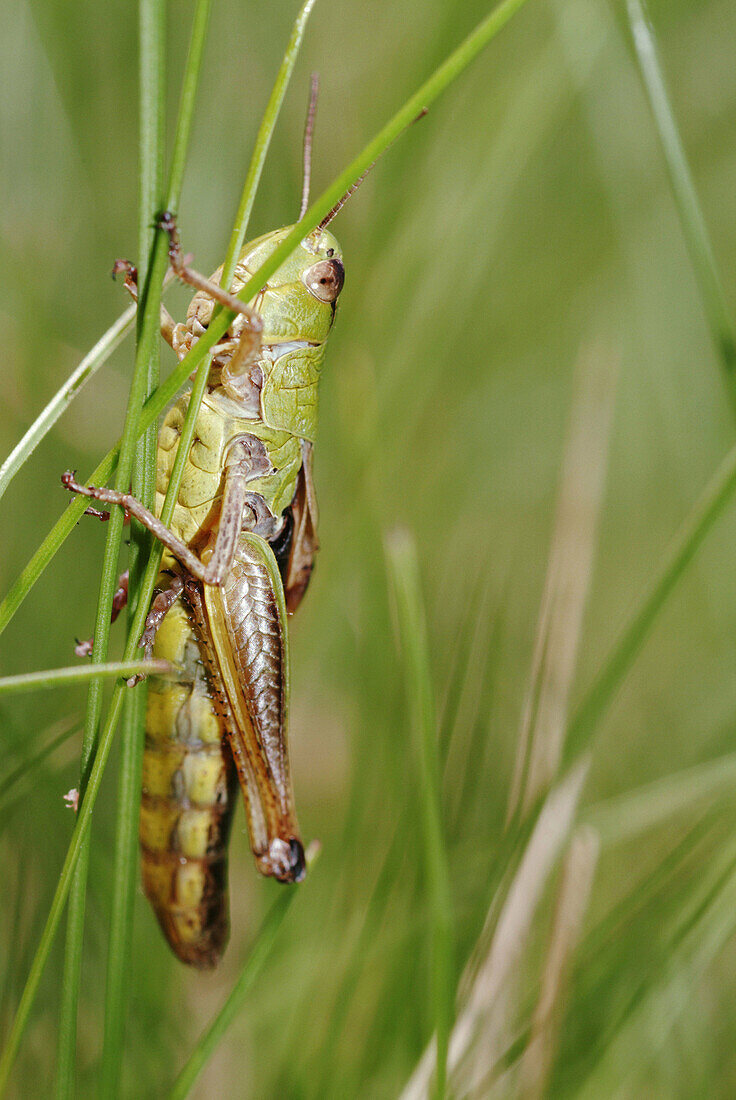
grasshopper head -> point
(299, 301)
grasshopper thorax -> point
(298, 303)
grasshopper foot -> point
(130, 271)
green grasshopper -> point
(237, 561)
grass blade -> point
(95, 358)
(41, 955)
(412, 633)
(260, 950)
(152, 46)
(78, 674)
(572, 902)
(481, 1019)
(709, 506)
(263, 141)
(649, 1023)
(568, 578)
(44, 422)
(64, 729)
(213, 1035)
(627, 815)
(694, 228)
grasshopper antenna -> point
(354, 186)
(308, 135)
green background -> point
(527, 218)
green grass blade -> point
(44, 422)
(152, 45)
(688, 206)
(412, 632)
(427, 93)
(77, 674)
(263, 141)
(213, 1035)
(60, 895)
(708, 508)
(569, 569)
(651, 1019)
(627, 815)
(66, 728)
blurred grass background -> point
(526, 219)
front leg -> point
(187, 274)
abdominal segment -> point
(187, 803)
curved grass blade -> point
(569, 569)
(44, 422)
(65, 729)
(693, 223)
(709, 506)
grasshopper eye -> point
(325, 279)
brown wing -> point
(304, 541)
(246, 628)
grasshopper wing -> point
(245, 621)
(304, 541)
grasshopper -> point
(237, 560)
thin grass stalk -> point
(153, 105)
(263, 141)
(44, 422)
(640, 1036)
(75, 383)
(576, 881)
(65, 729)
(441, 79)
(79, 834)
(486, 982)
(570, 566)
(152, 40)
(625, 816)
(213, 1035)
(415, 105)
(78, 674)
(412, 633)
(709, 506)
(693, 223)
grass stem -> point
(412, 632)
(690, 212)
